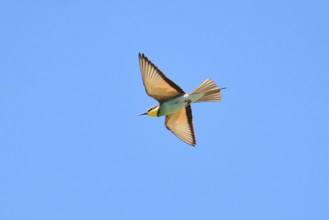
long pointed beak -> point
(143, 114)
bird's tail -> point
(210, 90)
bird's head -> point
(152, 111)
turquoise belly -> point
(177, 103)
(172, 106)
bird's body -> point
(174, 103)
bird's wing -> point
(156, 84)
(180, 123)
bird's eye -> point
(152, 108)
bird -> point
(174, 103)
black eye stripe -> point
(152, 108)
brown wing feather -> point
(181, 124)
(156, 84)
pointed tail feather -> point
(210, 90)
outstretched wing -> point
(156, 84)
(180, 123)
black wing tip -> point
(141, 55)
(189, 115)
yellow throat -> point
(153, 112)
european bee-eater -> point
(174, 103)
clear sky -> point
(72, 145)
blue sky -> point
(73, 147)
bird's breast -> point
(174, 105)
